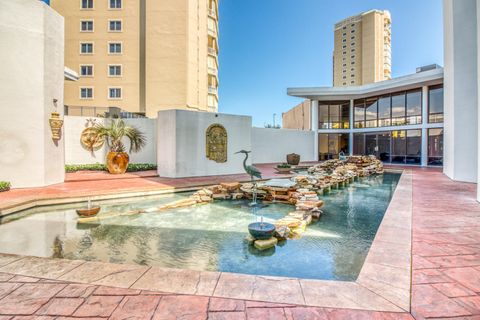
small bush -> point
(4, 186)
(132, 167)
(284, 165)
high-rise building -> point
(362, 49)
(141, 56)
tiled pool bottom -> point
(211, 237)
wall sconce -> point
(56, 123)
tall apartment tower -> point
(141, 56)
(362, 49)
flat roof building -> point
(399, 120)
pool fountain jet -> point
(259, 230)
(89, 211)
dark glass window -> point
(359, 113)
(399, 146)
(87, 4)
(414, 107)
(398, 109)
(371, 112)
(334, 116)
(384, 111)
(359, 144)
(331, 144)
(435, 147)
(414, 146)
(435, 104)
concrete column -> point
(460, 90)
(352, 124)
(32, 78)
(478, 102)
(424, 129)
(314, 126)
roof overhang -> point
(70, 75)
(412, 81)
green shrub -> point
(4, 186)
(132, 167)
(284, 165)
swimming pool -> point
(212, 237)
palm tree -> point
(116, 131)
(113, 134)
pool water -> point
(212, 237)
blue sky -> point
(267, 46)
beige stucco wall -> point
(298, 117)
(164, 58)
(31, 38)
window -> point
(115, 70)
(359, 113)
(384, 111)
(86, 26)
(86, 48)
(115, 25)
(352, 75)
(344, 40)
(352, 37)
(344, 77)
(352, 82)
(344, 34)
(86, 70)
(344, 71)
(87, 4)
(398, 109)
(115, 4)
(435, 147)
(344, 52)
(114, 93)
(414, 147)
(331, 144)
(86, 93)
(334, 116)
(353, 43)
(371, 113)
(344, 47)
(353, 56)
(344, 83)
(435, 104)
(414, 107)
(353, 31)
(115, 48)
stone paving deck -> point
(445, 279)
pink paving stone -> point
(260, 304)
(34, 318)
(98, 306)
(6, 288)
(111, 291)
(346, 314)
(60, 306)
(236, 315)
(182, 307)
(424, 276)
(136, 307)
(305, 313)
(29, 298)
(5, 277)
(221, 304)
(427, 302)
(265, 314)
(419, 262)
(76, 291)
(456, 261)
(453, 290)
(468, 277)
(23, 279)
(472, 303)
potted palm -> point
(113, 133)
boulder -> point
(265, 244)
(230, 186)
(282, 232)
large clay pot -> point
(117, 162)
(293, 159)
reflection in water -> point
(212, 237)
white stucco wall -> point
(181, 143)
(460, 90)
(32, 56)
(76, 154)
(273, 145)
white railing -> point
(212, 90)
(212, 51)
(212, 71)
(212, 13)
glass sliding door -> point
(435, 147)
(331, 144)
(399, 146)
(383, 140)
(414, 147)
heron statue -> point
(252, 172)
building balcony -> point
(213, 71)
(212, 51)
(212, 32)
(212, 14)
(212, 90)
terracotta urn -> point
(293, 159)
(117, 162)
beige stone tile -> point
(398, 296)
(8, 258)
(107, 274)
(336, 294)
(41, 267)
(232, 285)
(280, 290)
(390, 254)
(178, 281)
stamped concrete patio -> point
(445, 281)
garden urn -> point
(117, 162)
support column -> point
(424, 123)
(460, 90)
(350, 135)
(314, 126)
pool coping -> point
(384, 282)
